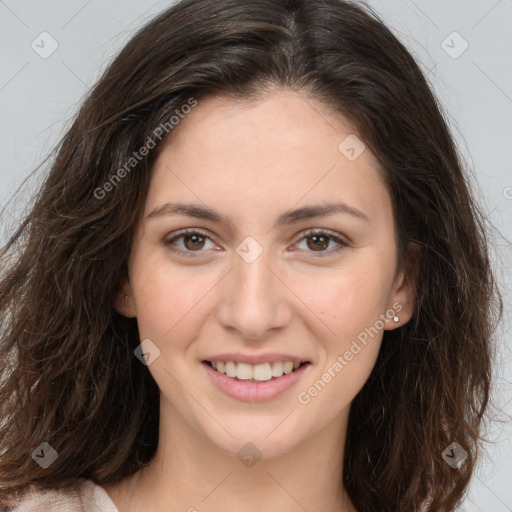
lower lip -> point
(255, 391)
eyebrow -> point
(287, 218)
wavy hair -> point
(68, 373)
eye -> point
(193, 241)
(320, 241)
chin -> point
(263, 437)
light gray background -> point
(38, 97)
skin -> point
(252, 161)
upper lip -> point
(253, 359)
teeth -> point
(288, 367)
(244, 371)
(277, 369)
(230, 369)
(261, 371)
(258, 372)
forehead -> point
(280, 150)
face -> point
(252, 281)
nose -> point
(254, 298)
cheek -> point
(168, 300)
(346, 300)
(350, 333)
(342, 379)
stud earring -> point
(396, 320)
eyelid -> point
(322, 231)
(341, 240)
(182, 232)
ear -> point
(123, 299)
(403, 295)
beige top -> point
(85, 496)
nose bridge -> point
(254, 280)
(253, 302)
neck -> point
(191, 473)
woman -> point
(255, 278)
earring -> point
(125, 298)
(396, 320)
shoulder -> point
(83, 496)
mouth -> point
(258, 373)
(255, 383)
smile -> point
(255, 382)
(257, 373)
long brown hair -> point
(68, 373)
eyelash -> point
(343, 244)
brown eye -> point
(194, 241)
(188, 242)
(318, 241)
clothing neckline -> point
(95, 493)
